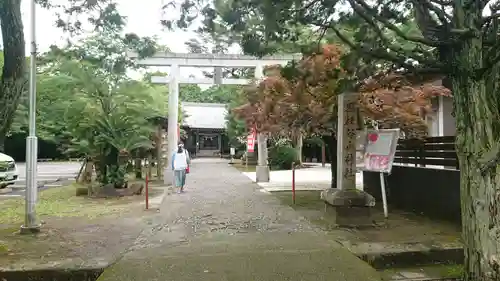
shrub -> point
(281, 157)
(239, 154)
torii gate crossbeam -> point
(177, 60)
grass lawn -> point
(62, 202)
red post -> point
(323, 154)
(147, 192)
(293, 183)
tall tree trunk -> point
(88, 171)
(478, 149)
(85, 174)
(479, 190)
(332, 151)
(138, 166)
(100, 169)
(13, 79)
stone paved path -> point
(223, 228)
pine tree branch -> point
(382, 54)
(370, 12)
(306, 7)
(444, 17)
(442, 2)
(393, 47)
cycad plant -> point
(108, 119)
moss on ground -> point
(3, 248)
(400, 227)
(246, 256)
(74, 228)
(308, 203)
(62, 202)
(432, 271)
(304, 200)
(244, 168)
(446, 270)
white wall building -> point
(441, 122)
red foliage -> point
(307, 100)
(393, 102)
(265, 109)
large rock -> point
(351, 207)
(133, 189)
(109, 190)
(349, 197)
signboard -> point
(379, 149)
(251, 140)
(232, 151)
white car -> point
(8, 170)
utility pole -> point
(31, 224)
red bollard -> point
(147, 192)
(293, 183)
(323, 154)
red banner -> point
(251, 140)
(378, 162)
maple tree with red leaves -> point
(393, 102)
(303, 96)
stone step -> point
(389, 255)
(442, 272)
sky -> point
(146, 22)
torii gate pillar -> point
(262, 171)
(173, 120)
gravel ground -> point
(224, 228)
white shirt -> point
(180, 161)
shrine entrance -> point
(175, 61)
(209, 142)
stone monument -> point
(352, 207)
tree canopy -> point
(303, 96)
(75, 17)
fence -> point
(434, 151)
(418, 183)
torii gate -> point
(177, 60)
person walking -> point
(180, 165)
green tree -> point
(105, 122)
(88, 105)
(97, 15)
(236, 127)
(220, 94)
